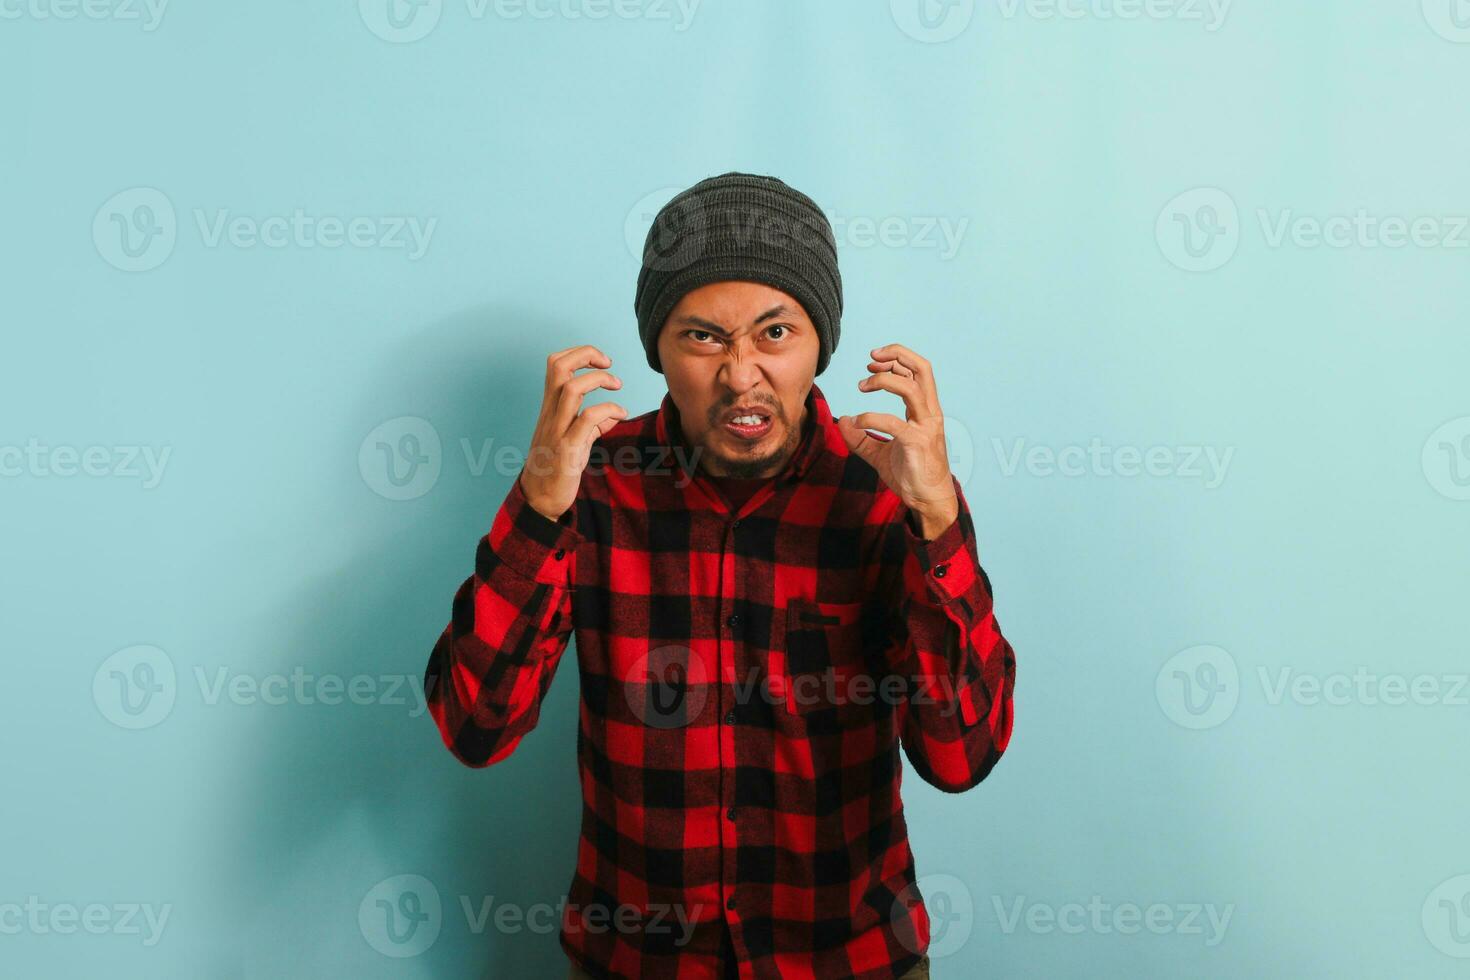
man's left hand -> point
(913, 463)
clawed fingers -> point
(906, 388)
(881, 421)
(896, 361)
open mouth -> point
(747, 424)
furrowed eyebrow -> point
(704, 324)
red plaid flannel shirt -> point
(746, 681)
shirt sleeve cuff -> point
(947, 567)
(532, 543)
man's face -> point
(736, 349)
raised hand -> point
(913, 463)
(562, 442)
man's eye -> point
(703, 336)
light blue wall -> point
(1066, 316)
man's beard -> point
(749, 468)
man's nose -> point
(741, 370)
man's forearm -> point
(933, 521)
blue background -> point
(1072, 310)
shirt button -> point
(730, 813)
(735, 523)
(561, 553)
(730, 902)
(730, 718)
(734, 619)
(939, 571)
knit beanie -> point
(740, 226)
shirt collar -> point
(820, 436)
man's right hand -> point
(562, 442)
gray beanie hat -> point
(745, 227)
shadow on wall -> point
(334, 801)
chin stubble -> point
(771, 463)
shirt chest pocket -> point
(830, 673)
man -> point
(767, 602)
